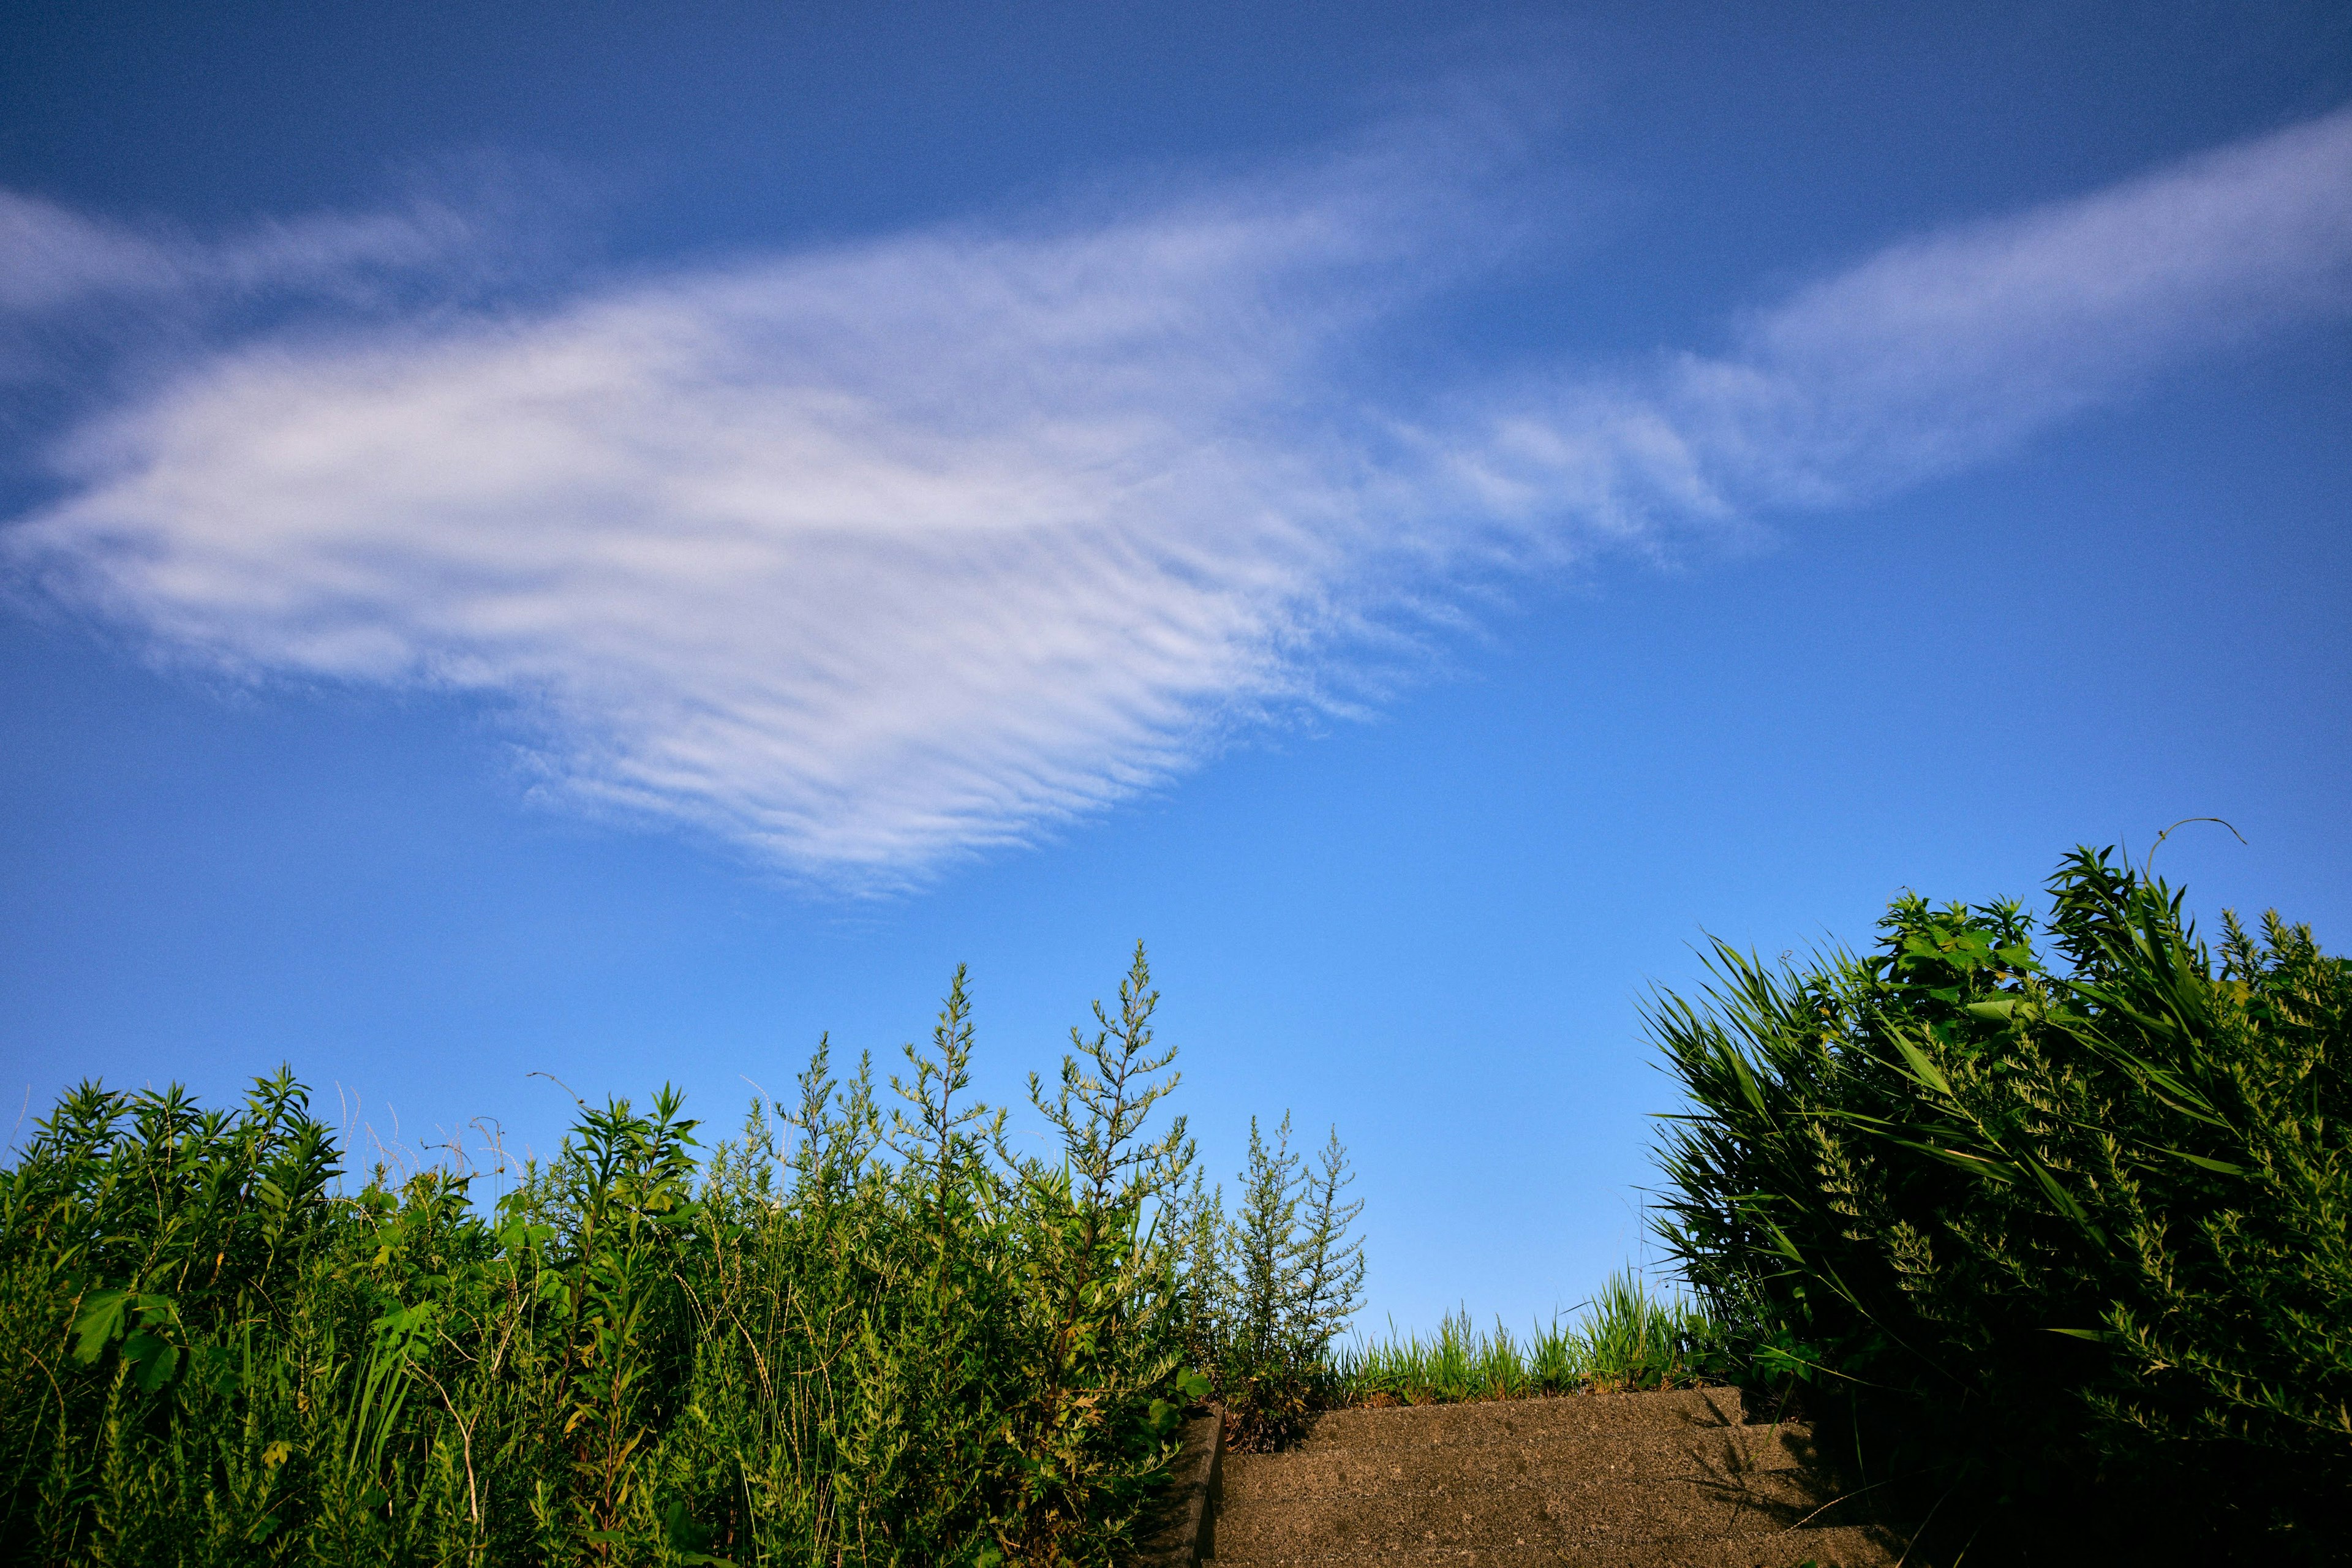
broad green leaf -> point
(152, 1359)
(101, 1323)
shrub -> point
(850, 1336)
(1266, 1290)
(2066, 1233)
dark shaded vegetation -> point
(2054, 1225)
(852, 1334)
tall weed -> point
(851, 1334)
(1265, 1290)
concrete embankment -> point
(1674, 1479)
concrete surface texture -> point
(1674, 1479)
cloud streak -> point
(868, 557)
(52, 260)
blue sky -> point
(609, 542)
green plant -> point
(2067, 1238)
(1630, 1337)
(1627, 1337)
(1267, 1289)
(849, 1335)
(1105, 1357)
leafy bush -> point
(2068, 1238)
(1266, 1290)
(850, 1336)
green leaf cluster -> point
(2061, 1219)
(853, 1334)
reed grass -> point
(2054, 1216)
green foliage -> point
(1627, 1337)
(847, 1336)
(2073, 1226)
(1265, 1290)
(1632, 1337)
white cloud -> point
(52, 260)
(860, 557)
(49, 256)
(866, 557)
(1943, 350)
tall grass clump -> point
(860, 1333)
(1629, 1336)
(2056, 1222)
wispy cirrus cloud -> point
(869, 556)
(1947, 349)
(1942, 351)
(53, 260)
